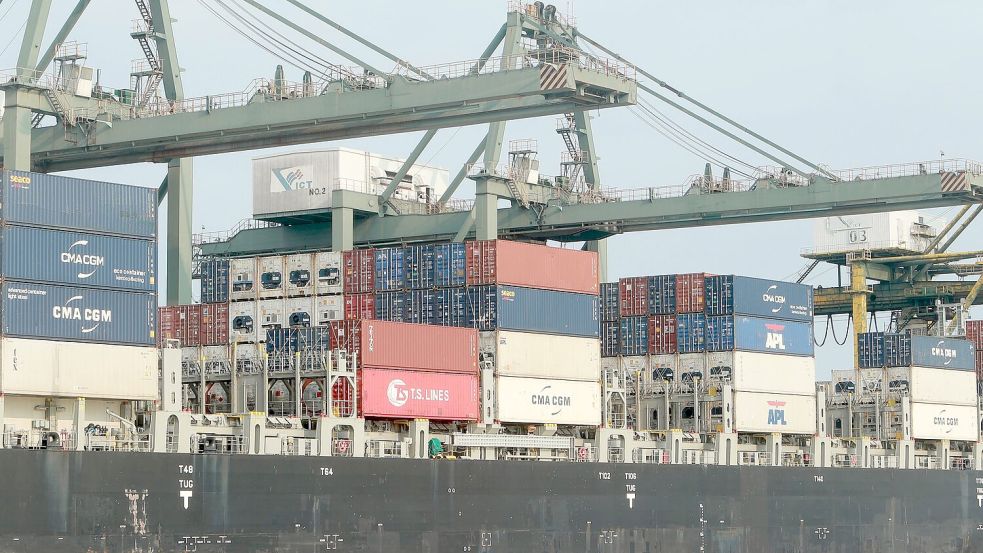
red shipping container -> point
(359, 271)
(532, 266)
(214, 324)
(633, 296)
(974, 333)
(181, 323)
(345, 335)
(662, 334)
(359, 306)
(388, 393)
(419, 347)
(690, 293)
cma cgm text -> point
(79, 314)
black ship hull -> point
(118, 502)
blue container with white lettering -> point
(758, 297)
(32, 310)
(763, 335)
(690, 328)
(55, 201)
(389, 269)
(633, 336)
(942, 353)
(77, 258)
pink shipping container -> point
(974, 333)
(662, 334)
(690, 296)
(532, 266)
(633, 296)
(359, 306)
(214, 324)
(359, 271)
(419, 347)
(388, 393)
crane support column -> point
(16, 128)
(485, 211)
(180, 193)
(859, 292)
(342, 224)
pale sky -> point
(843, 83)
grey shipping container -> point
(943, 353)
(215, 281)
(773, 299)
(533, 310)
(55, 201)
(77, 258)
(29, 310)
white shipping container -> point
(270, 314)
(329, 308)
(951, 387)
(689, 366)
(242, 276)
(77, 369)
(328, 273)
(898, 230)
(544, 401)
(542, 355)
(243, 323)
(300, 312)
(271, 279)
(764, 372)
(215, 360)
(299, 275)
(302, 183)
(765, 412)
(932, 421)
(191, 362)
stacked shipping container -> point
(974, 333)
(77, 270)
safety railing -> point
(657, 456)
(911, 169)
(527, 60)
(110, 443)
(225, 235)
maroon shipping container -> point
(181, 323)
(974, 333)
(345, 335)
(633, 296)
(359, 306)
(390, 345)
(386, 393)
(359, 271)
(214, 324)
(531, 266)
(690, 293)
(662, 334)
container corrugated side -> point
(542, 355)
(870, 349)
(345, 335)
(765, 372)
(77, 258)
(532, 266)
(946, 386)
(662, 295)
(690, 295)
(633, 296)
(662, 334)
(389, 269)
(215, 280)
(766, 412)
(70, 203)
(452, 307)
(78, 314)
(946, 353)
(974, 333)
(610, 343)
(75, 369)
(690, 328)
(392, 345)
(214, 324)
(449, 262)
(418, 272)
(548, 401)
(773, 299)
(533, 310)
(390, 306)
(181, 323)
(633, 336)
(932, 421)
(416, 394)
(358, 268)
(359, 306)
(609, 301)
(419, 307)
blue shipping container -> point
(418, 306)
(633, 336)
(897, 350)
(389, 306)
(389, 269)
(533, 310)
(215, 281)
(870, 350)
(77, 258)
(78, 314)
(719, 333)
(448, 264)
(418, 267)
(450, 307)
(773, 336)
(662, 295)
(943, 353)
(690, 328)
(281, 341)
(76, 204)
(609, 301)
(773, 299)
(610, 345)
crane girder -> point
(402, 106)
(639, 210)
(892, 296)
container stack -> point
(755, 333)
(974, 333)
(938, 374)
(79, 300)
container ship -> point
(466, 396)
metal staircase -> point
(142, 32)
(573, 159)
